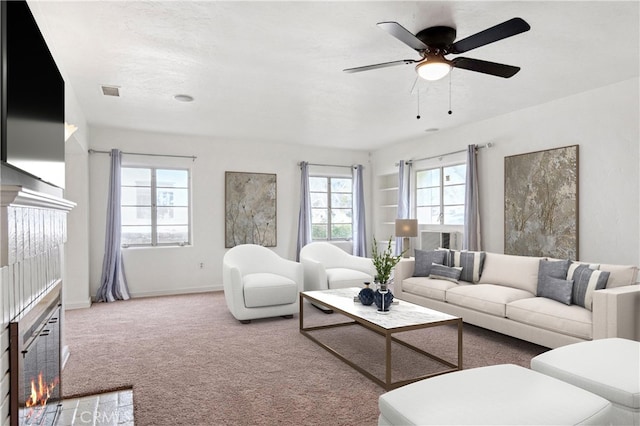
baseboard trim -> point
(77, 305)
(173, 292)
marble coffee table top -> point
(401, 314)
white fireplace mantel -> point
(23, 197)
(31, 222)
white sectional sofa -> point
(504, 299)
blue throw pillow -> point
(450, 273)
(424, 260)
(585, 282)
(471, 263)
(551, 268)
(556, 289)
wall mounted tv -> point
(32, 130)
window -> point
(331, 208)
(155, 206)
(440, 194)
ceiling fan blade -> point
(382, 65)
(506, 29)
(486, 67)
(404, 35)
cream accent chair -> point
(260, 284)
(327, 266)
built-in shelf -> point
(387, 204)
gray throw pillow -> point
(471, 263)
(585, 282)
(556, 289)
(424, 260)
(552, 268)
(450, 273)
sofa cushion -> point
(488, 298)
(424, 260)
(442, 272)
(586, 281)
(620, 275)
(616, 377)
(556, 289)
(266, 289)
(344, 278)
(512, 271)
(494, 395)
(471, 263)
(427, 287)
(548, 314)
(551, 268)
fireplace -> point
(34, 350)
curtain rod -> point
(327, 165)
(487, 145)
(193, 157)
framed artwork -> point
(541, 203)
(250, 209)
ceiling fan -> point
(434, 43)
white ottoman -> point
(496, 395)
(607, 367)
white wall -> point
(169, 270)
(76, 278)
(603, 122)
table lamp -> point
(406, 228)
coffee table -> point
(403, 316)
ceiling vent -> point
(111, 90)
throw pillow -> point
(574, 265)
(552, 268)
(585, 282)
(471, 263)
(556, 289)
(424, 260)
(449, 273)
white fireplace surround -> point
(33, 230)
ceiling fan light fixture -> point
(433, 68)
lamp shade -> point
(406, 227)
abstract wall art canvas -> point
(250, 209)
(541, 203)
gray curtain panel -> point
(113, 284)
(471, 239)
(359, 228)
(404, 194)
(304, 216)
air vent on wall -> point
(111, 90)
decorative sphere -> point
(366, 296)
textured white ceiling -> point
(272, 71)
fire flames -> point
(40, 393)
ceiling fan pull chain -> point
(450, 112)
(418, 116)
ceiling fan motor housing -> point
(440, 37)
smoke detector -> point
(183, 98)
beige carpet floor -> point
(190, 362)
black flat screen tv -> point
(32, 99)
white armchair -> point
(327, 266)
(260, 284)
